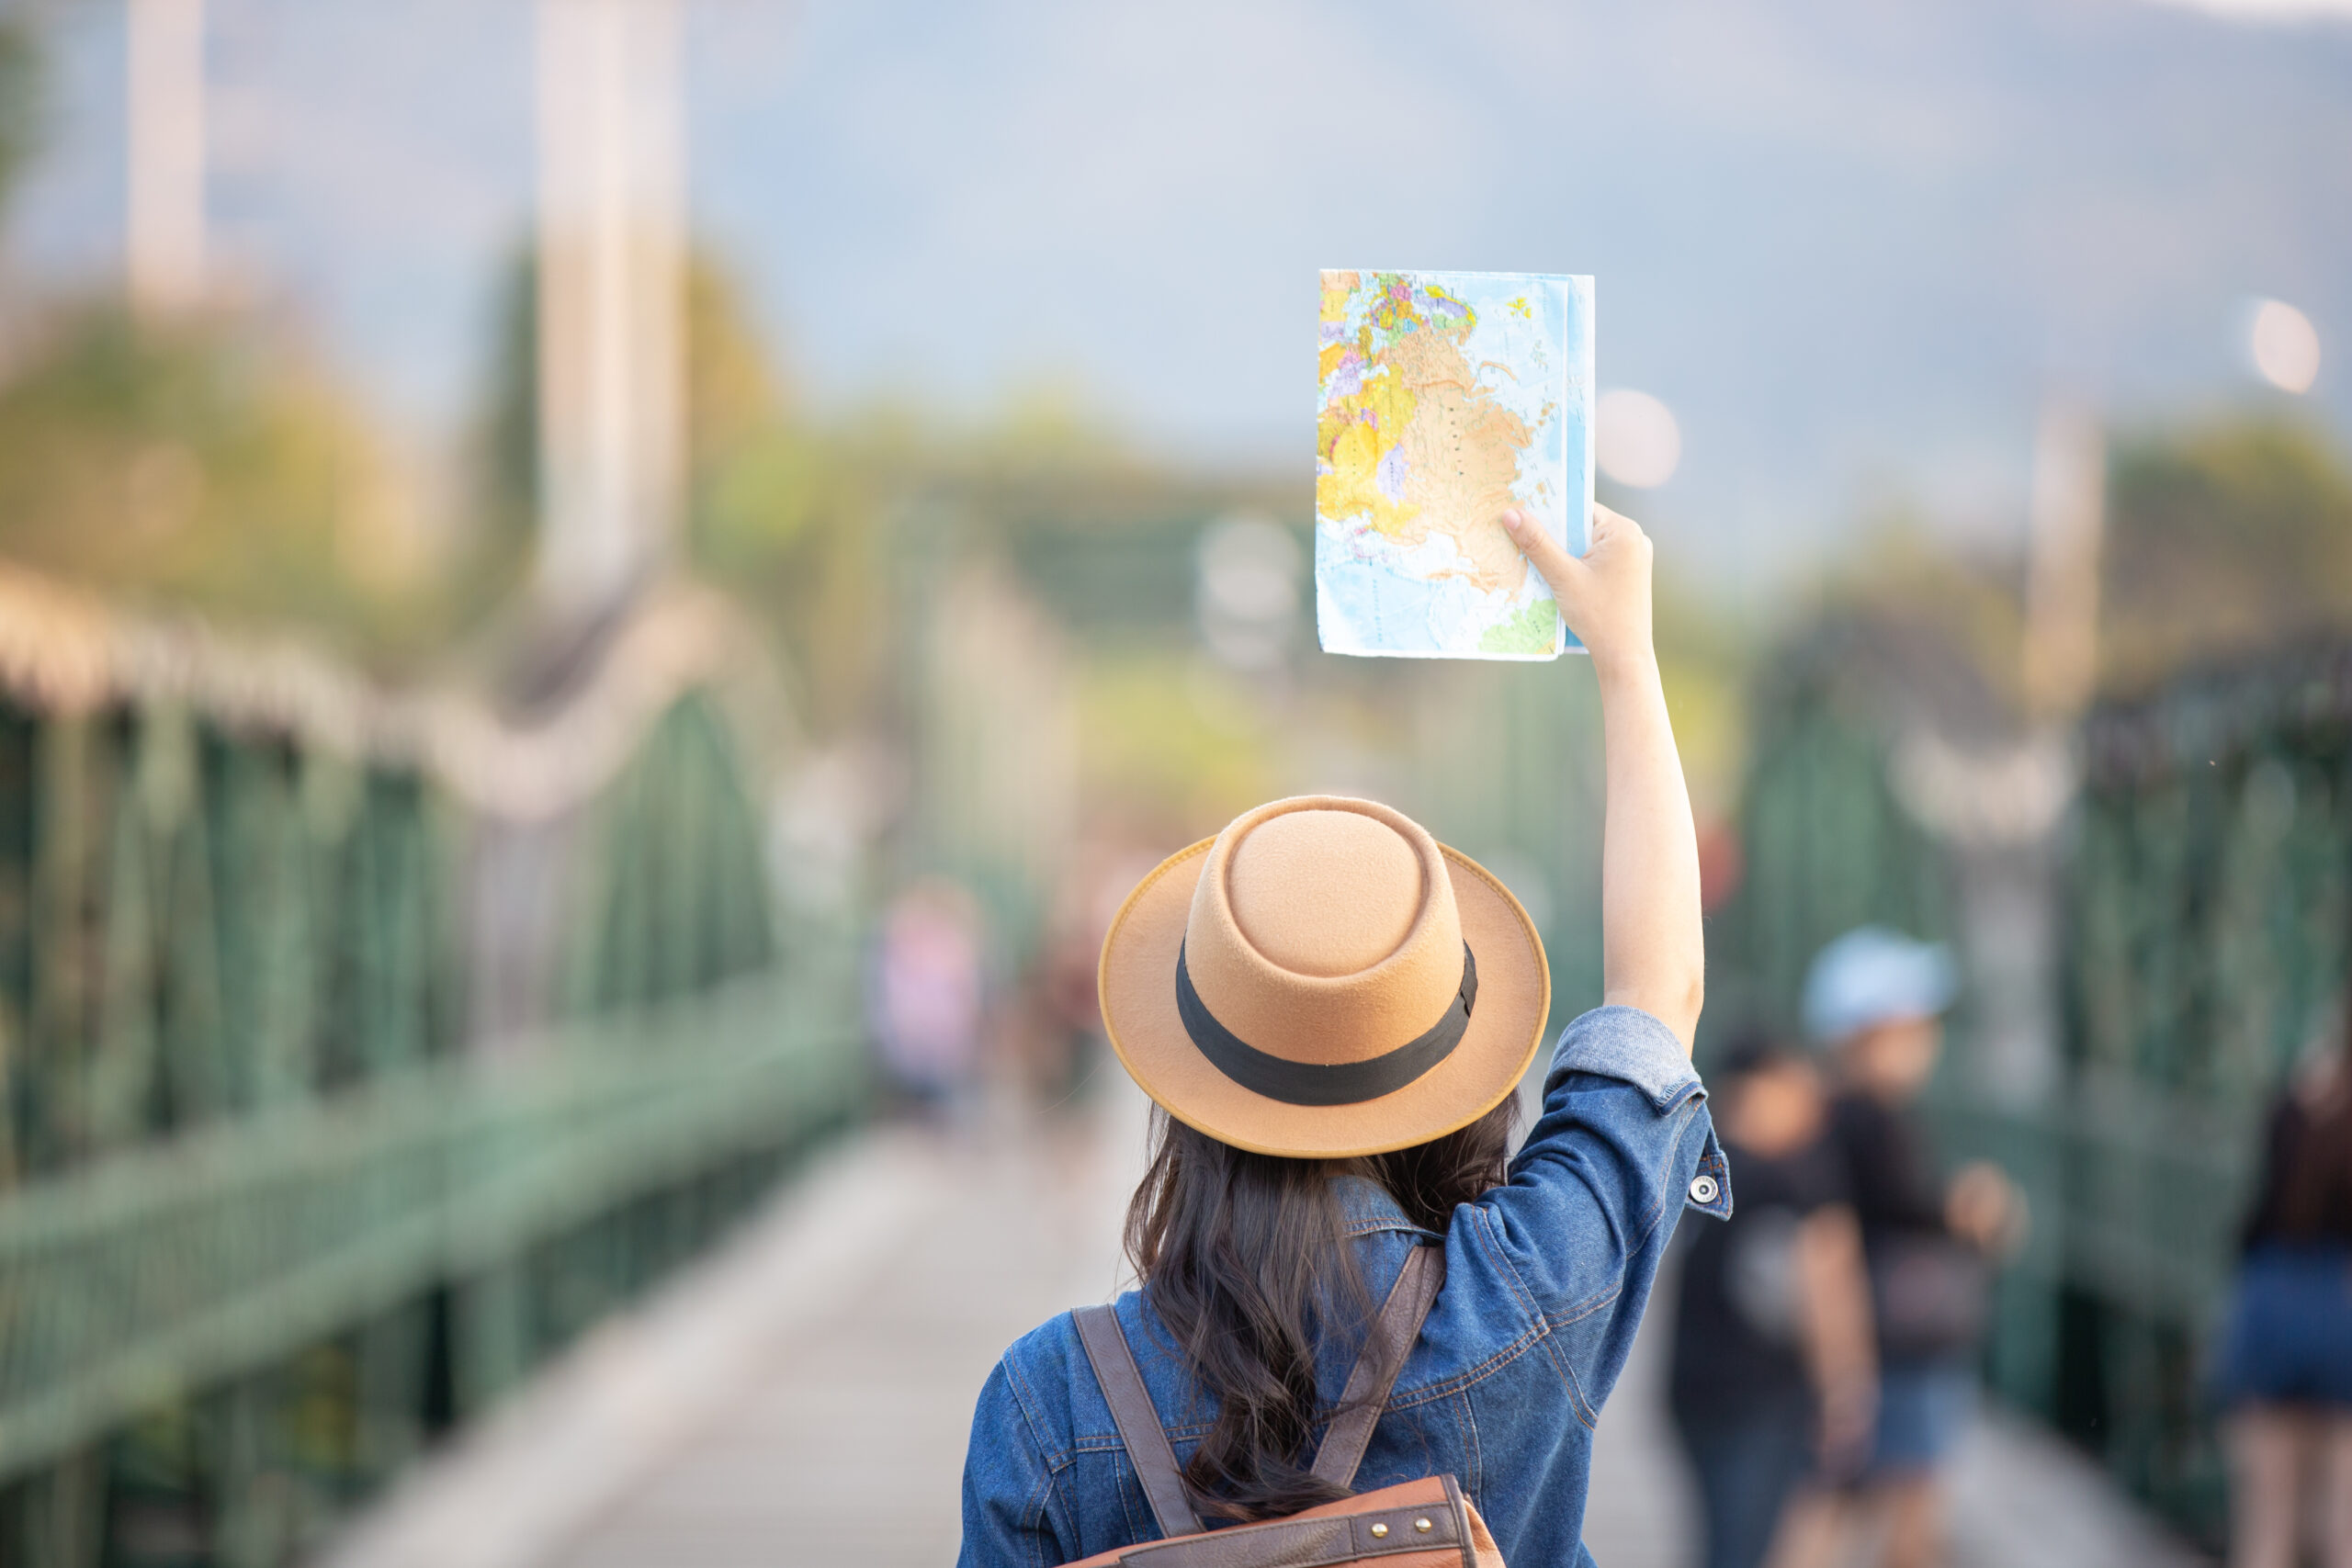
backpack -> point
(1419, 1524)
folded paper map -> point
(1446, 399)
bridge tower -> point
(164, 226)
(611, 296)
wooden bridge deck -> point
(803, 1398)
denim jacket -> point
(1546, 1277)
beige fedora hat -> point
(1324, 980)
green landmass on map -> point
(1531, 629)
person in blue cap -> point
(1873, 1005)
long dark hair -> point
(2316, 1185)
(1242, 1256)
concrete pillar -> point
(2011, 892)
(165, 239)
(611, 295)
(2063, 577)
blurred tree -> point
(506, 457)
(1704, 653)
(733, 398)
(2222, 542)
(1957, 617)
(789, 514)
(202, 463)
(734, 394)
(21, 100)
(1170, 745)
(782, 513)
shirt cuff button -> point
(1703, 1190)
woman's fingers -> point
(1605, 595)
(1605, 524)
(1615, 530)
(1543, 551)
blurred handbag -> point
(1419, 1524)
(1930, 1295)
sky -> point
(1854, 245)
(2265, 10)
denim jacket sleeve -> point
(1009, 1501)
(1562, 1255)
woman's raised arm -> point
(1653, 949)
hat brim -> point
(1137, 985)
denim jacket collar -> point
(1365, 1207)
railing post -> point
(494, 1333)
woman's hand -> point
(1984, 1207)
(1605, 596)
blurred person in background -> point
(1067, 1046)
(2285, 1368)
(1874, 1002)
(1772, 1370)
(928, 994)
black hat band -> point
(1325, 1083)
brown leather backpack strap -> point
(1377, 1364)
(1139, 1423)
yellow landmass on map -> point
(1420, 400)
(1355, 433)
(1336, 287)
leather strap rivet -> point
(1423, 1525)
(1379, 1529)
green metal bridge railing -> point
(2208, 950)
(274, 1206)
(2199, 891)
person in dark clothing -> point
(2285, 1368)
(1874, 1002)
(1772, 1371)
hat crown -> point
(1324, 893)
(1324, 929)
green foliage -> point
(1172, 743)
(794, 521)
(202, 465)
(1704, 657)
(782, 513)
(1958, 620)
(2223, 542)
(22, 93)
(507, 457)
(733, 400)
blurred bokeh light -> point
(1251, 569)
(2284, 346)
(1640, 443)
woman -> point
(1275, 991)
(2286, 1363)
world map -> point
(1445, 399)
